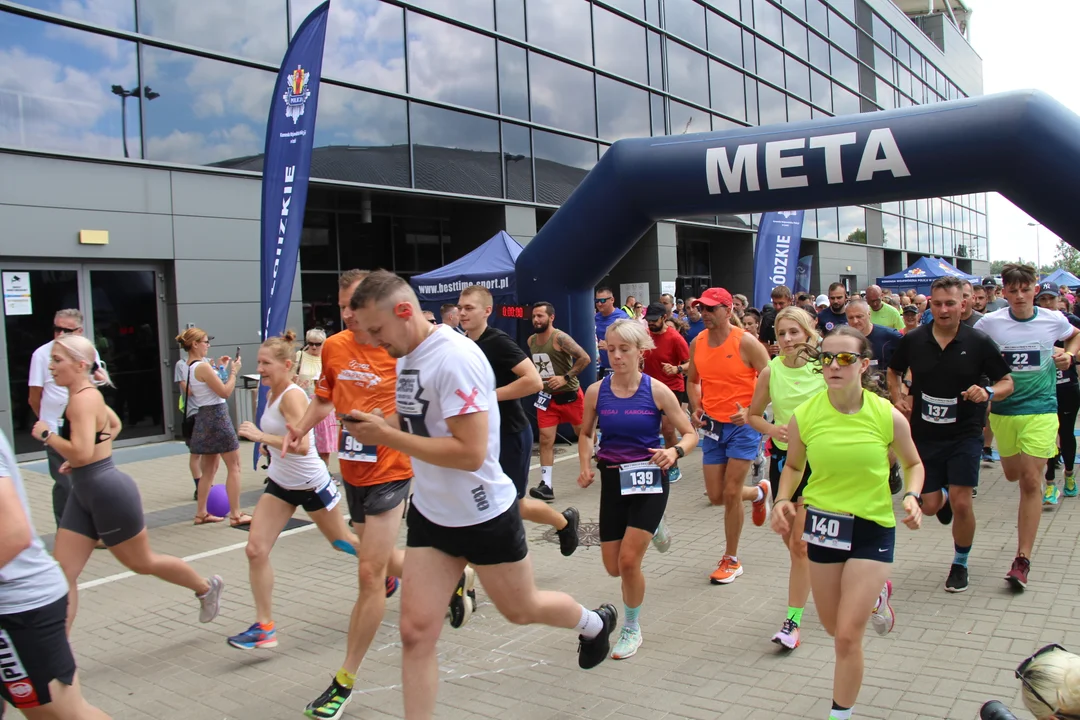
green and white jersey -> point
(1028, 349)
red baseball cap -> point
(713, 297)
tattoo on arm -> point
(581, 358)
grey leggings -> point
(104, 504)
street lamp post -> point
(1038, 247)
(123, 94)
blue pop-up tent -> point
(490, 265)
(922, 273)
(1061, 276)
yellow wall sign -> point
(93, 237)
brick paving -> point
(707, 653)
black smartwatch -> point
(45, 434)
(568, 377)
(680, 452)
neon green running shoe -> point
(1070, 486)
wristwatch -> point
(45, 435)
(989, 391)
(680, 452)
(912, 494)
(568, 377)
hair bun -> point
(288, 336)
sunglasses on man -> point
(601, 301)
(64, 330)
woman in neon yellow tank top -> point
(846, 434)
(787, 381)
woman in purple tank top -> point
(627, 406)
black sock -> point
(196, 482)
(986, 448)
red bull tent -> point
(922, 273)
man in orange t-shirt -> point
(359, 376)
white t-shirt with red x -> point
(445, 376)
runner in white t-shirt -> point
(464, 508)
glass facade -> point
(503, 99)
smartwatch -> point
(912, 494)
(45, 435)
(567, 377)
(680, 452)
(989, 391)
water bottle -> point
(995, 710)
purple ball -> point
(217, 503)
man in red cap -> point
(724, 365)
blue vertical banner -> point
(775, 255)
(802, 274)
(290, 136)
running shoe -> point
(331, 704)
(210, 601)
(254, 638)
(1018, 573)
(568, 536)
(392, 584)
(762, 507)
(1070, 485)
(593, 651)
(957, 581)
(1052, 495)
(628, 644)
(661, 539)
(974, 492)
(460, 608)
(896, 481)
(344, 546)
(944, 515)
(542, 492)
(674, 475)
(788, 635)
(726, 571)
(987, 455)
(883, 619)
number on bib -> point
(826, 529)
(542, 401)
(640, 478)
(1023, 358)
(939, 411)
(353, 450)
(1061, 379)
(329, 494)
(708, 428)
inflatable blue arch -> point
(1022, 144)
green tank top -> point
(848, 457)
(551, 362)
(789, 388)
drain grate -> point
(588, 535)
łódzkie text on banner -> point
(776, 254)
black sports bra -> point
(65, 429)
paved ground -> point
(707, 653)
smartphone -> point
(237, 352)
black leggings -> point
(1068, 397)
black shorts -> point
(618, 511)
(682, 397)
(34, 651)
(515, 457)
(869, 541)
(776, 466)
(375, 499)
(950, 462)
(493, 542)
(325, 498)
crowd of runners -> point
(814, 412)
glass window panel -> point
(455, 152)
(621, 110)
(208, 111)
(563, 26)
(652, 12)
(475, 12)
(747, 11)
(751, 100)
(57, 93)
(728, 7)
(795, 37)
(809, 224)
(818, 16)
(562, 95)
(365, 42)
(903, 52)
(852, 226)
(517, 157)
(685, 119)
(923, 211)
(634, 7)
(890, 225)
(845, 69)
(882, 32)
(620, 46)
(318, 242)
(119, 14)
(510, 18)
(656, 61)
(249, 28)
(772, 104)
(767, 21)
(911, 234)
(819, 53)
(891, 207)
(719, 123)
(725, 38)
(659, 125)
(561, 164)
(886, 96)
(450, 64)
(827, 225)
(798, 77)
(749, 61)
(797, 111)
(821, 90)
(688, 73)
(685, 18)
(842, 33)
(361, 137)
(845, 6)
(903, 80)
(883, 63)
(728, 90)
(513, 81)
(770, 63)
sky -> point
(1023, 47)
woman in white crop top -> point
(300, 479)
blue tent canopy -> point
(922, 273)
(490, 265)
(1061, 276)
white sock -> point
(590, 625)
(545, 474)
(945, 492)
(760, 495)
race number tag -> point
(640, 478)
(1023, 358)
(940, 411)
(1061, 379)
(542, 401)
(826, 529)
(708, 428)
(352, 449)
(329, 494)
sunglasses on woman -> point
(843, 359)
(1021, 673)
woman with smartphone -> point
(214, 433)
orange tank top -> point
(725, 378)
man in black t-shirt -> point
(515, 377)
(950, 364)
(836, 313)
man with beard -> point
(666, 363)
(836, 313)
